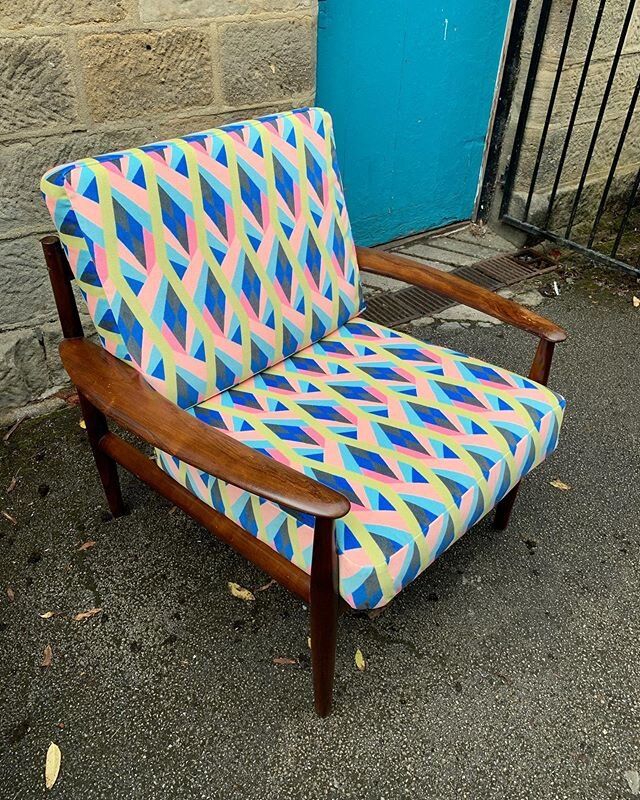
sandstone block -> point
(25, 292)
(617, 102)
(22, 164)
(267, 60)
(582, 29)
(606, 144)
(36, 85)
(282, 6)
(23, 375)
(152, 10)
(139, 74)
(40, 13)
(51, 336)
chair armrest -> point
(123, 395)
(465, 292)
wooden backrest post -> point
(60, 275)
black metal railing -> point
(597, 211)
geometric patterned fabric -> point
(422, 440)
(222, 267)
(206, 259)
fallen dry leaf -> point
(309, 642)
(11, 594)
(632, 778)
(82, 615)
(8, 516)
(636, 301)
(47, 656)
(48, 614)
(86, 545)
(240, 592)
(284, 661)
(83, 425)
(52, 765)
(560, 485)
(361, 664)
(12, 485)
(266, 586)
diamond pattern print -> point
(222, 267)
(419, 467)
(227, 250)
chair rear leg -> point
(324, 614)
(539, 372)
(96, 425)
(504, 509)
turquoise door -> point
(410, 85)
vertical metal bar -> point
(614, 163)
(574, 112)
(600, 117)
(503, 106)
(550, 108)
(625, 218)
(532, 74)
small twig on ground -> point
(12, 430)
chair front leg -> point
(96, 424)
(324, 613)
(539, 372)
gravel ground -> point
(510, 669)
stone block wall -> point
(612, 123)
(82, 77)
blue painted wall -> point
(410, 85)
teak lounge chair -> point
(339, 456)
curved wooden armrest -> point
(122, 394)
(465, 292)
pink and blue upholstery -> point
(206, 259)
(222, 267)
(423, 441)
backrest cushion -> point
(206, 259)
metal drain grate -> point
(412, 302)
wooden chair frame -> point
(110, 389)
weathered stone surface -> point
(266, 60)
(152, 10)
(23, 374)
(51, 336)
(32, 13)
(460, 313)
(36, 85)
(187, 9)
(194, 124)
(22, 164)
(133, 74)
(282, 6)
(602, 158)
(25, 293)
(617, 103)
(374, 284)
(433, 253)
(583, 25)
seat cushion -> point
(208, 258)
(422, 440)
